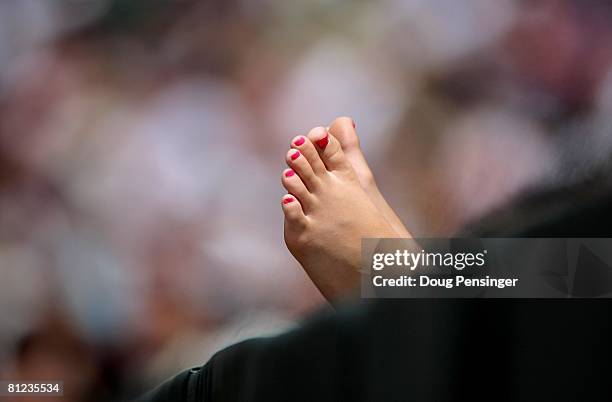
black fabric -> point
(175, 389)
(434, 350)
(580, 210)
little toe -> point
(309, 151)
(301, 166)
(296, 187)
(294, 215)
(329, 149)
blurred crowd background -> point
(142, 143)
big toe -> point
(343, 128)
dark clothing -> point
(434, 350)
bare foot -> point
(343, 129)
(327, 213)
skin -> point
(327, 190)
(343, 129)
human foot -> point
(327, 213)
(343, 129)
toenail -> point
(288, 200)
(322, 143)
(289, 173)
(295, 155)
(354, 125)
(299, 141)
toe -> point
(329, 149)
(296, 187)
(309, 151)
(343, 128)
(292, 209)
(301, 166)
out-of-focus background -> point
(142, 142)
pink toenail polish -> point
(295, 155)
(322, 143)
(289, 173)
(288, 200)
(299, 141)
